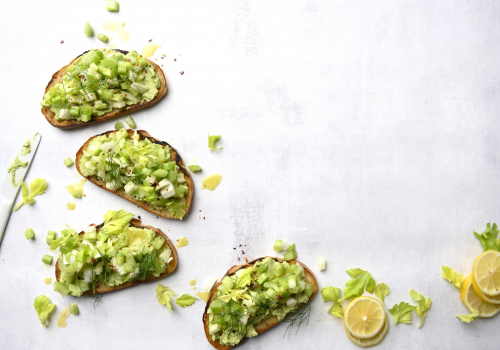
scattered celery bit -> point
(382, 290)
(163, 295)
(468, 318)
(88, 30)
(360, 281)
(47, 259)
(61, 288)
(118, 125)
(402, 313)
(488, 238)
(43, 308)
(37, 187)
(51, 236)
(68, 162)
(182, 242)
(451, 275)
(130, 122)
(195, 168)
(29, 233)
(423, 305)
(333, 294)
(185, 300)
(322, 263)
(277, 245)
(211, 142)
(103, 38)
(73, 308)
(112, 5)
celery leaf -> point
(44, 309)
(488, 238)
(163, 295)
(331, 294)
(336, 310)
(468, 318)
(37, 187)
(402, 313)
(185, 300)
(211, 142)
(451, 275)
(423, 305)
(381, 290)
(115, 222)
(360, 281)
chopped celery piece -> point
(118, 125)
(130, 122)
(216, 307)
(51, 236)
(102, 37)
(68, 162)
(61, 288)
(47, 259)
(277, 245)
(73, 309)
(292, 254)
(29, 233)
(74, 111)
(112, 5)
(158, 243)
(321, 263)
(88, 30)
(291, 247)
(195, 168)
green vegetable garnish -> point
(37, 187)
(29, 233)
(333, 294)
(13, 168)
(402, 313)
(115, 221)
(88, 30)
(73, 308)
(195, 168)
(489, 238)
(185, 300)
(468, 318)
(118, 125)
(360, 281)
(47, 259)
(103, 38)
(112, 5)
(381, 291)
(163, 295)
(451, 275)
(51, 236)
(211, 142)
(43, 308)
(130, 122)
(423, 305)
(68, 162)
(61, 288)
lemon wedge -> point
(364, 317)
(472, 301)
(486, 272)
(366, 342)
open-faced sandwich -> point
(100, 85)
(139, 168)
(254, 297)
(119, 253)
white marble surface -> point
(363, 131)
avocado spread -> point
(109, 255)
(16, 164)
(246, 298)
(101, 81)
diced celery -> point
(68, 162)
(130, 260)
(228, 282)
(262, 278)
(91, 236)
(291, 247)
(47, 259)
(261, 267)
(74, 111)
(222, 289)
(172, 176)
(73, 309)
(94, 148)
(29, 233)
(277, 245)
(112, 5)
(216, 307)
(120, 260)
(290, 255)
(61, 288)
(128, 268)
(102, 37)
(279, 270)
(158, 242)
(309, 289)
(83, 285)
(51, 236)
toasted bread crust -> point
(267, 323)
(57, 77)
(172, 265)
(121, 192)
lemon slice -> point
(366, 342)
(472, 301)
(485, 297)
(364, 317)
(486, 272)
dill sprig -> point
(298, 319)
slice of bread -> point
(57, 77)
(267, 323)
(121, 192)
(172, 265)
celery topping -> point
(109, 255)
(100, 81)
(251, 295)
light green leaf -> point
(211, 142)
(194, 168)
(423, 305)
(336, 310)
(360, 281)
(115, 222)
(488, 238)
(331, 294)
(44, 308)
(402, 313)
(450, 275)
(163, 295)
(37, 187)
(245, 278)
(381, 291)
(468, 318)
(185, 300)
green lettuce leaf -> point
(360, 281)
(451, 275)
(185, 300)
(43, 308)
(115, 222)
(382, 290)
(211, 142)
(468, 318)
(330, 294)
(423, 305)
(488, 238)
(402, 313)
(163, 295)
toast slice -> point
(171, 266)
(121, 192)
(57, 77)
(267, 323)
